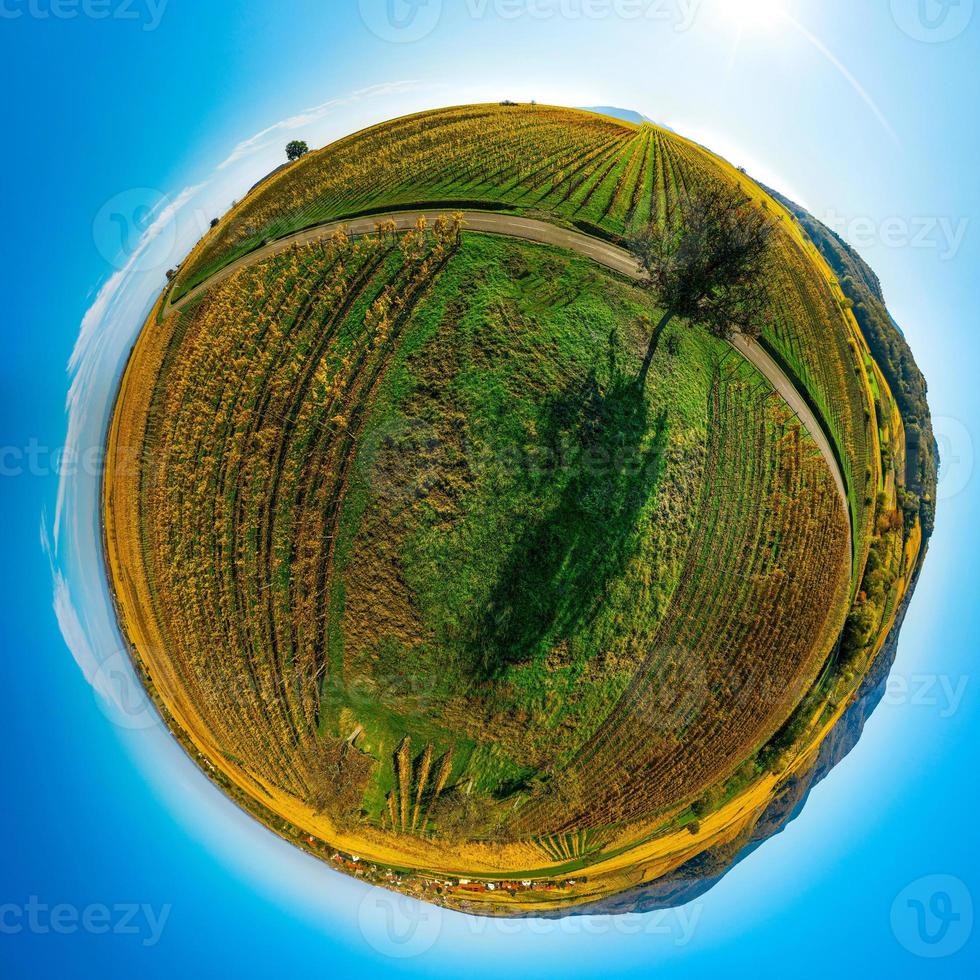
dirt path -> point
(542, 232)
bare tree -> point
(707, 261)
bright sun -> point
(756, 14)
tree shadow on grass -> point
(556, 577)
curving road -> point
(606, 254)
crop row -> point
(766, 575)
(251, 437)
(576, 166)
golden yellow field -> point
(419, 576)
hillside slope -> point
(891, 352)
(422, 575)
(600, 175)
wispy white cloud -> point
(96, 313)
(69, 622)
(72, 539)
(308, 116)
(92, 336)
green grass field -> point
(576, 168)
(412, 558)
(435, 504)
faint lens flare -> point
(761, 14)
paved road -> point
(753, 352)
(531, 230)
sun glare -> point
(754, 14)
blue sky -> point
(165, 112)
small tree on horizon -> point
(296, 149)
(706, 260)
